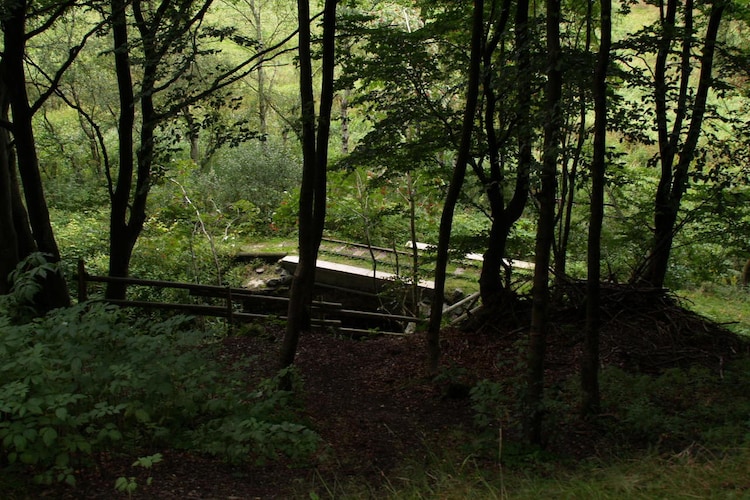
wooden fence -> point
(325, 314)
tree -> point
(679, 112)
(504, 216)
(545, 228)
(162, 29)
(590, 403)
(26, 226)
(166, 48)
(576, 100)
(413, 91)
(312, 203)
(462, 160)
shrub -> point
(84, 380)
(259, 172)
(679, 406)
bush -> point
(84, 380)
(259, 172)
(680, 407)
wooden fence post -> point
(230, 309)
(82, 292)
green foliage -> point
(729, 305)
(374, 205)
(253, 434)
(256, 172)
(19, 304)
(83, 380)
(129, 484)
(679, 406)
(82, 234)
(70, 161)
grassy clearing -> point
(727, 305)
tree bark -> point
(9, 251)
(312, 204)
(590, 403)
(545, 230)
(54, 291)
(130, 192)
(459, 172)
(492, 290)
(120, 246)
(675, 160)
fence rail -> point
(328, 314)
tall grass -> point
(693, 473)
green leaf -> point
(62, 460)
(142, 415)
(49, 435)
(19, 442)
(61, 413)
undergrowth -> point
(87, 379)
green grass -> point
(694, 473)
(727, 305)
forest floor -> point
(375, 409)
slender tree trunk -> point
(545, 229)
(459, 172)
(120, 246)
(492, 288)
(261, 70)
(16, 239)
(9, 254)
(193, 135)
(345, 121)
(675, 176)
(128, 200)
(590, 404)
(312, 207)
(505, 217)
(490, 283)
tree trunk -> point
(675, 161)
(120, 246)
(590, 403)
(9, 254)
(54, 290)
(459, 172)
(256, 12)
(493, 290)
(128, 201)
(312, 204)
(545, 230)
(345, 121)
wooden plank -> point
(349, 276)
(200, 309)
(264, 256)
(474, 296)
(363, 245)
(377, 315)
(258, 316)
(477, 257)
(359, 331)
(159, 283)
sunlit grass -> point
(724, 304)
